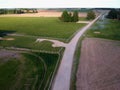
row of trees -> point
(74, 17)
(17, 11)
(114, 14)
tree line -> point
(114, 14)
(17, 11)
(74, 16)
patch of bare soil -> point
(99, 67)
(83, 22)
(6, 55)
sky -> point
(59, 3)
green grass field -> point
(108, 29)
(31, 71)
(39, 26)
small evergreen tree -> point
(65, 16)
(75, 17)
(91, 15)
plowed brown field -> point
(46, 13)
(99, 67)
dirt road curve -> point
(62, 80)
(99, 67)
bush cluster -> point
(69, 17)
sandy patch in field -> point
(56, 43)
(0, 38)
(99, 67)
(97, 32)
(41, 14)
(83, 22)
(8, 39)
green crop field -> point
(30, 72)
(108, 29)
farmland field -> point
(99, 65)
(31, 65)
(44, 13)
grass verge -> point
(75, 64)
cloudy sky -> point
(59, 3)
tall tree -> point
(70, 15)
